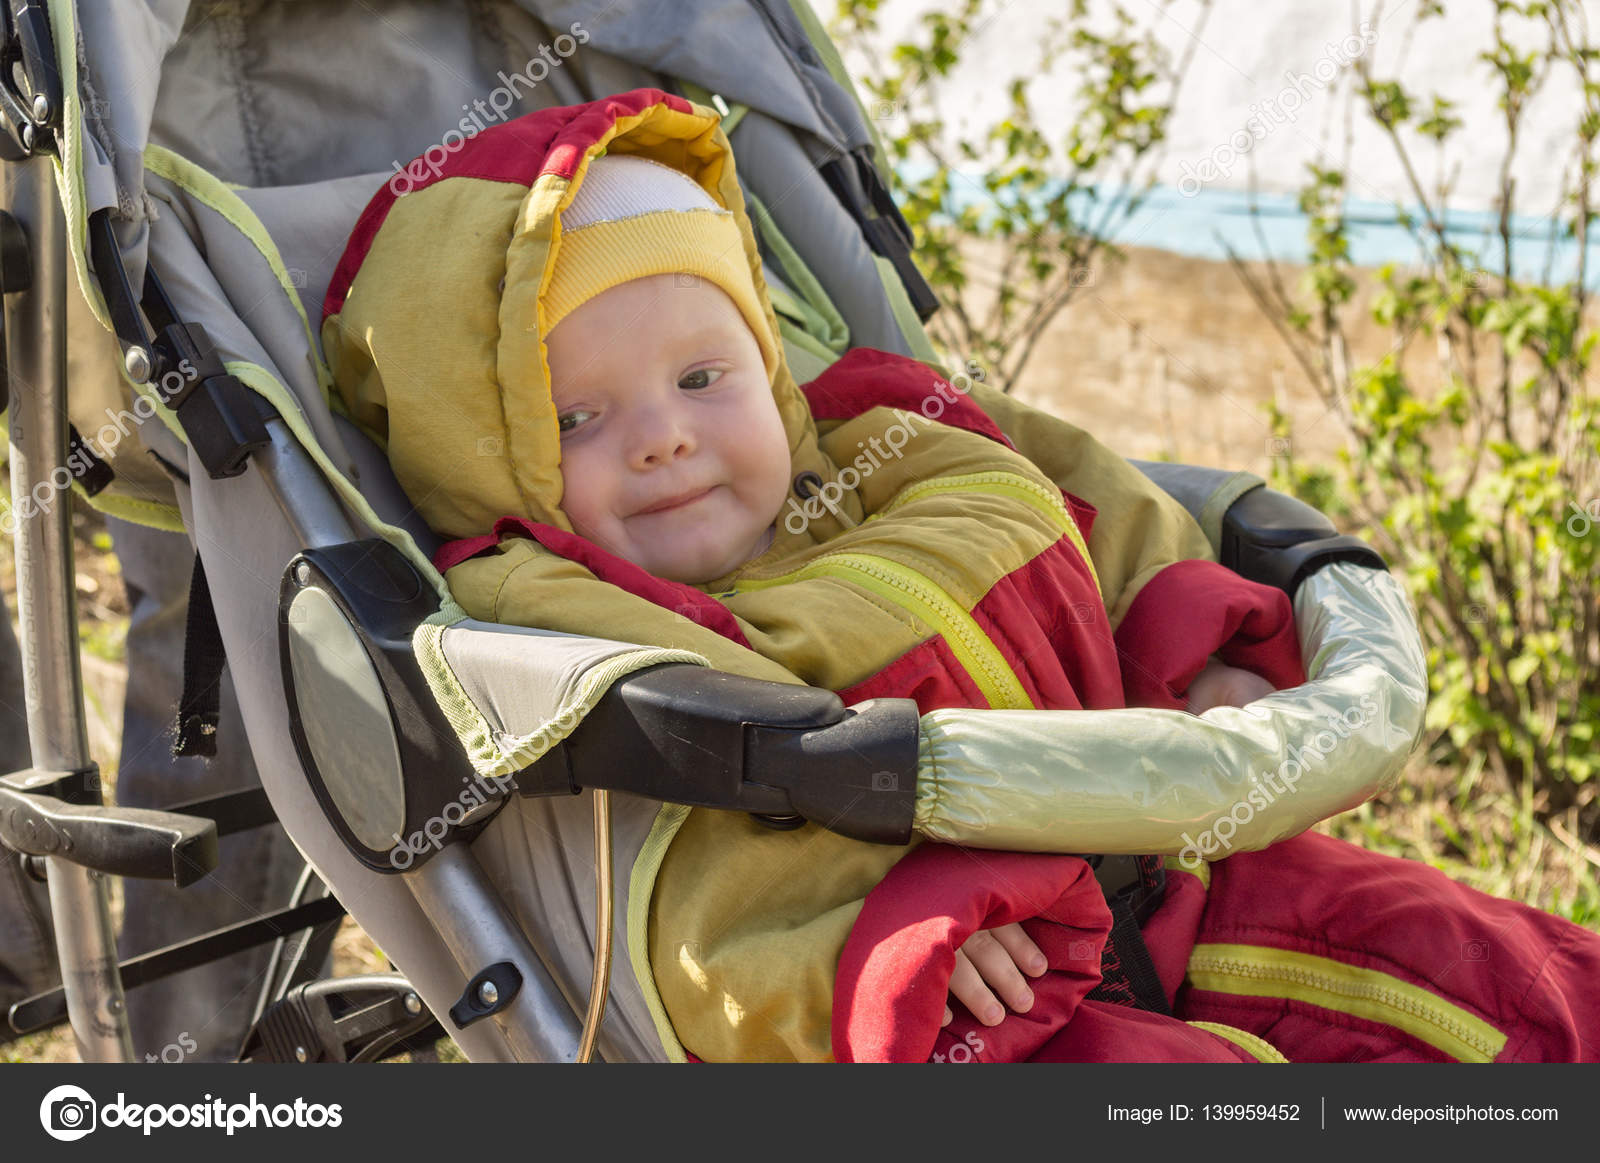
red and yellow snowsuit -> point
(1000, 558)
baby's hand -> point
(992, 961)
(1220, 685)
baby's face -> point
(673, 454)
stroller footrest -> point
(135, 842)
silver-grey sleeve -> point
(1160, 781)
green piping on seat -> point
(641, 887)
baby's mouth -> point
(676, 502)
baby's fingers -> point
(994, 964)
(1024, 953)
(968, 989)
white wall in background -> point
(1248, 56)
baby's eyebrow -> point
(706, 331)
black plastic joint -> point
(856, 777)
(784, 753)
(1276, 540)
(219, 414)
(487, 993)
(117, 841)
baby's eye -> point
(568, 421)
(702, 377)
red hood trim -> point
(546, 141)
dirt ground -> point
(1165, 355)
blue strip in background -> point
(1209, 222)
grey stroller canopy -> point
(209, 160)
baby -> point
(664, 382)
(675, 458)
(564, 341)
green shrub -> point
(1478, 477)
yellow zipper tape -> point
(1263, 971)
(1258, 1048)
(1005, 484)
(912, 592)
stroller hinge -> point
(30, 83)
(116, 841)
(222, 420)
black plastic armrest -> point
(1276, 540)
(784, 753)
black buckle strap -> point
(1140, 880)
(1127, 972)
(199, 708)
(1135, 887)
(855, 181)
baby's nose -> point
(663, 435)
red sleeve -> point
(1192, 610)
(894, 973)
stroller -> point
(203, 211)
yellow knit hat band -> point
(704, 243)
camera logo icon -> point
(67, 1113)
(885, 781)
(1475, 950)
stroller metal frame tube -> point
(36, 330)
(540, 1024)
(302, 494)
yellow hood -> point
(434, 324)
